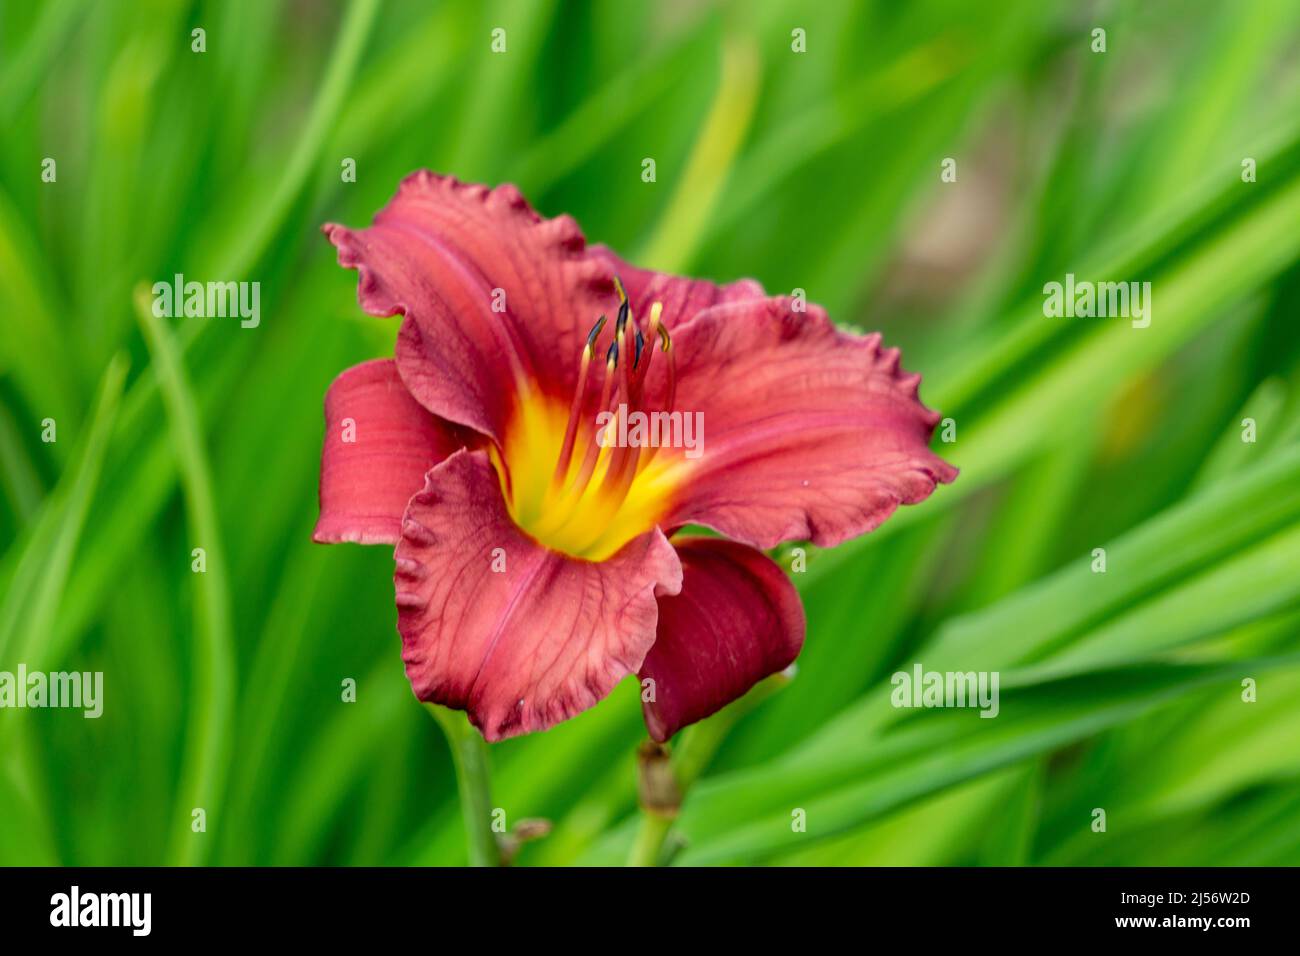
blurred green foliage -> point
(818, 170)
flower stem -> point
(473, 779)
(660, 796)
(664, 781)
(650, 837)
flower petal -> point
(496, 297)
(682, 298)
(809, 433)
(495, 624)
(736, 620)
(379, 442)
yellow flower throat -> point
(566, 483)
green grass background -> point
(819, 170)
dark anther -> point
(594, 333)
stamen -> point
(656, 328)
(671, 401)
(621, 394)
(642, 372)
(666, 344)
(621, 455)
(575, 408)
(618, 486)
(607, 393)
(595, 334)
(622, 470)
(657, 325)
(625, 345)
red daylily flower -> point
(535, 566)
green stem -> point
(699, 743)
(650, 837)
(473, 779)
